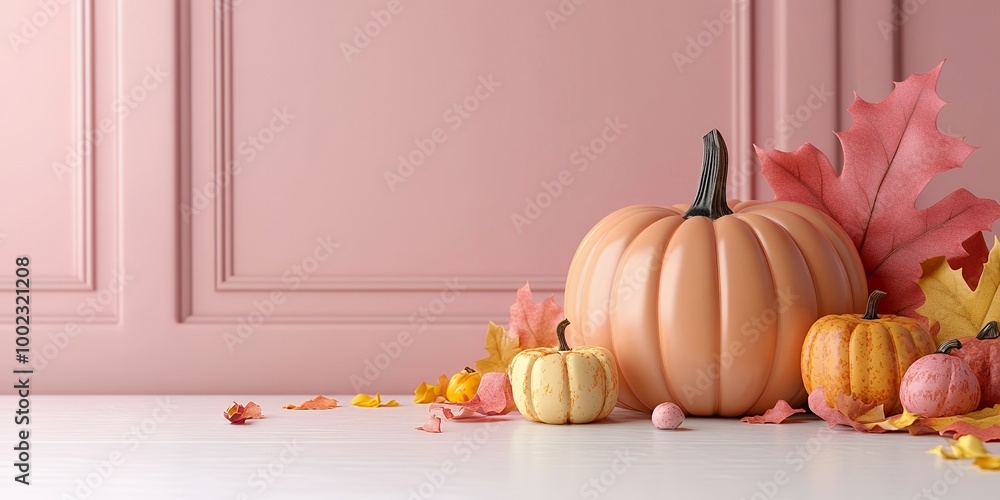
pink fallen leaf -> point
(858, 410)
(252, 410)
(433, 425)
(891, 152)
(776, 415)
(534, 325)
(452, 411)
(920, 430)
(959, 429)
(494, 397)
(847, 410)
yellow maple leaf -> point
(950, 302)
(984, 418)
(501, 348)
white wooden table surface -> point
(180, 447)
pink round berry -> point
(667, 416)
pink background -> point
(232, 137)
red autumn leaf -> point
(494, 397)
(534, 325)
(959, 429)
(891, 152)
(776, 415)
(433, 425)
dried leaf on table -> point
(991, 462)
(494, 397)
(501, 348)
(963, 447)
(959, 429)
(534, 325)
(968, 447)
(368, 401)
(776, 415)
(950, 303)
(433, 425)
(891, 152)
(316, 403)
(982, 418)
(847, 410)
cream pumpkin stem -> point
(872, 311)
(561, 333)
(711, 198)
(989, 332)
(948, 345)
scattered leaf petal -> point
(432, 425)
(316, 403)
(991, 462)
(846, 411)
(963, 447)
(368, 401)
(776, 415)
(252, 410)
(961, 428)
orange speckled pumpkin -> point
(706, 306)
(865, 356)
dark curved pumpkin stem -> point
(948, 345)
(469, 370)
(872, 311)
(711, 198)
(990, 331)
(561, 333)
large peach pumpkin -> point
(707, 306)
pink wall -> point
(240, 167)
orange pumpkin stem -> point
(872, 311)
(948, 345)
(711, 198)
(561, 333)
(989, 332)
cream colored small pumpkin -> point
(558, 386)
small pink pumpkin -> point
(939, 385)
